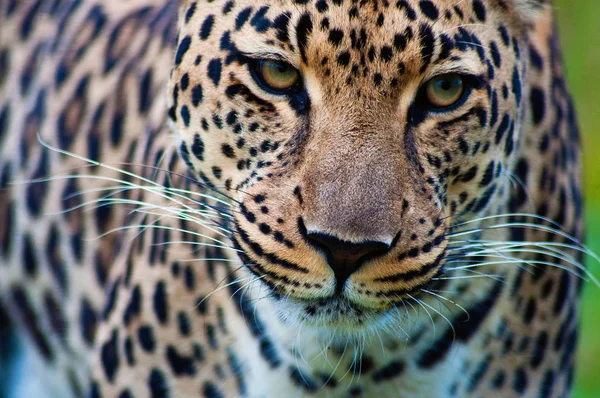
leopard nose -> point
(345, 257)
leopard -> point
(287, 198)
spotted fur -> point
(171, 228)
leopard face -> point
(351, 137)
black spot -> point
(302, 380)
(214, 70)
(146, 338)
(530, 311)
(198, 147)
(212, 391)
(157, 383)
(259, 21)
(516, 86)
(427, 45)
(30, 319)
(56, 316)
(109, 355)
(238, 372)
(183, 47)
(547, 384)
(185, 115)
(190, 12)
(322, 6)
(212, 337)
(538, 104)
(5, 116)
(504, 125)
(468, 175)
(30, 263)
(298, 194)
(520, 196)
(389, 371)
(134, 307)
(536, 59)
(197, 95)
(303, 30)
(160, 304)
(479, 10)
(408, 10)
(29, 20)
(386, 53)
(479, 373)
(242, 17)
(180, 364)
(488, 175)
(88, 319)
(498, 379)
(228, 151)
(189, 278)
(520, 381)
(125, 394)
(183, 322)
(429, 9)
(112, 298)
(185, 156)
(336, 36)
(206, 27)
(539, 350)
(70, 119)
(564, 286)
(280, 23)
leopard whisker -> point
(338, 363)
(428, 313)
(443, 317)
(389, 322)
(211, 225)
(519, 249)
(439, 296)
(533, 263)
(461, 254)
(233, 282)
(550, 249)
(479, 275)
(221, 245)
(553, 246)
(152, 187)
(127, 173)
(192, 260)
(92, 162)
(507, 215)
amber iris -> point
(445, 90)
(277, 75)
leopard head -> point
(350, 136)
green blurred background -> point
(580, 32)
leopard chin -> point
(338, 316)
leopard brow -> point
(269, 56)
(453, 67)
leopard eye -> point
(445, 90)
(277, 76)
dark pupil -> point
(447, 84)
(281, 68)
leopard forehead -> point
(365, 50)
(362, 64)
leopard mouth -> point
(341, 313)
(333, 313)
